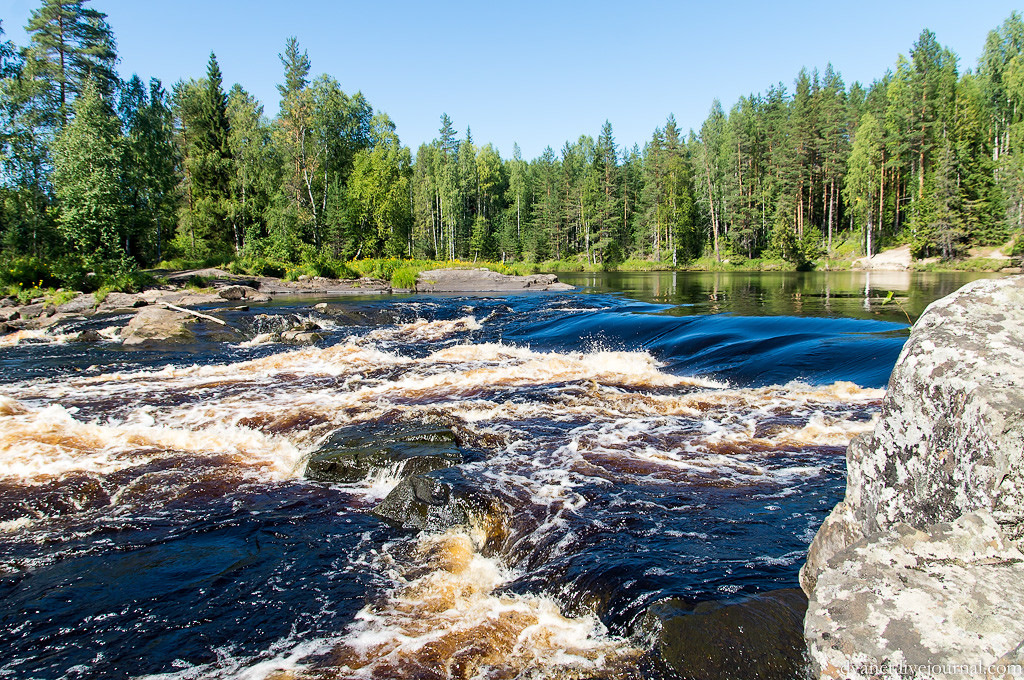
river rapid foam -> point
(613, 483)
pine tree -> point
(70, 45)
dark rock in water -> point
(412, 453)
(88, 336)
(442, 499)
(760, 638)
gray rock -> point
(5, 329)
(951, 435)
(483, 280)
(32, 311)
(158, 326)
(944, 597)
(80, 304)
(237, 292)
(948, 454)
(88, 336)
(301, 337)
(114, 301)
(839, 530)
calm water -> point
(651, 436)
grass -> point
(981, 264)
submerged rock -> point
(947, 456)
(760, 638)
(483, 281)
(88, 335)
(413, 453)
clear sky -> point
(536, 72)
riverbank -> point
(183, 289)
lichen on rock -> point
(919, 561)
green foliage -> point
(87, 180)
(404, 277)
(783, 179)
(27, 271)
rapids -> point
(156, 520)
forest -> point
(102, 177)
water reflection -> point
(837, 293)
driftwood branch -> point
(194, 313)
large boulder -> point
(483, 281)
(911, 603)
(158, 326)
(949, 443)
(155, 326)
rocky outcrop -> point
(155, 326)
(907, 602)
(910, 566)
(483, 281)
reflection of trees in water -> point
(856, 294)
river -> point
(649, 438)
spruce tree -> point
(88, 181)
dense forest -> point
(106, 175)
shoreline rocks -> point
(911, 564)
(484, 281)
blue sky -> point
(533, 72)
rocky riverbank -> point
(169, 318)
(917, 573)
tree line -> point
(103, 174)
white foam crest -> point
(451, 618)
(425, 331)
(524, 365)
(26, 335)
(36, 444)
(285, 659)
